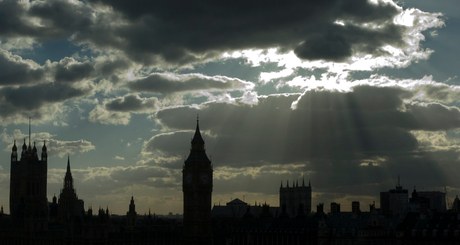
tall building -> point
(131, 215)
(69, 204)
(197, 188)
(393, 203)
(28, 176)
(294, 197)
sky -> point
(347, 94)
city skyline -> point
(348, 99)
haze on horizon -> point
(346, 94)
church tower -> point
(28, 180)
(131, 215)
(68, 200)
(197, 188)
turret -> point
(34, 151)
(24, 149)
(44, 153)
(14, 153)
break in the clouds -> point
(345, 93)
(167, 83)
(193, 31)
(330, 133)
(148, 32)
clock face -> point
(204, 178)
(188, 178)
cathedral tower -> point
(28, 180)
(68, 200)
(197, 188)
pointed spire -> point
(281, 184)
(68, 180)
(14, 146)
(303, 181)
(197, 141)
(297, 183)
(24, 146)
(44, 146)
(68, 163)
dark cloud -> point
(340, 42)
(166, 83)
(181, 32)
(17, 100)
(177, 34)
(131, 103)
(15, 71)
(74, 72)
(341, 139)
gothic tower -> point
(68, 200)
(131, 215)
(292, 197)
(197, 188)
(28, 180)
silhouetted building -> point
(131, 215)
(293, 197)
(238, 209)
(437, 200)
(355, 207)
(197, 188)
(393, 203)
(335, 207)
(69, 205)
(28, 180)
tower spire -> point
(68, 163)
(68, 180)
(197, 141)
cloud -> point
(54, 147)
(15, 71)
(68, 70)
(118, 110)
(154, 34)
(119, 158)
(214, 27)
(104, 116)
(132, 103)
(331, 136)
(167, 83)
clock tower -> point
(197, 188)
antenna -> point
(29, 131)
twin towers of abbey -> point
(31, 212)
